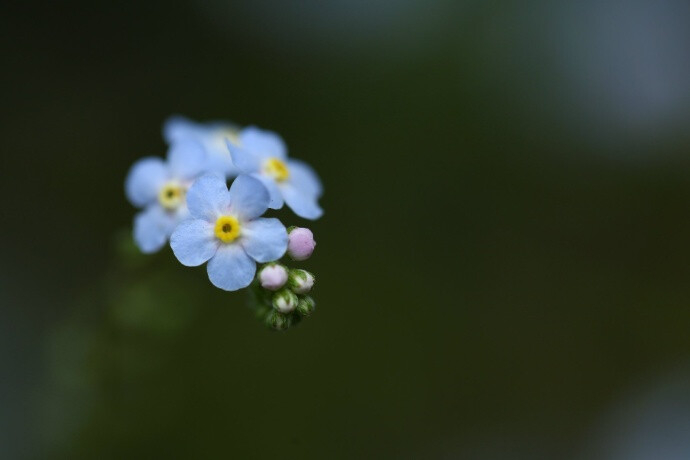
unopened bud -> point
(284, 301)
(306, 306)
(301, 281)
(273, 277)
(278, 321)
(300, 243)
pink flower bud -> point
(301, 243)
(273, 277)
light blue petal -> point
(193, 242)
(304, 178)
(211, 135)
(265, 240)
(302, 204)
(274, 193)
(152, 228)
(177, 128)
(186, 159)
(144, 180)
(263, 143)
(208, 198)
(243, 160)
(221, 164)
(231, 268)
(248, 197)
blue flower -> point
(159, 187)
(226, 230)
(263, 154)
(212, 136)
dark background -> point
(503, 261)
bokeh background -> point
(503, 265)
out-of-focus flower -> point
(159, 187)
(285, 301)
(226, 230)
(212, 136)
(263, 154)
(301, 281)
(301, 243)
(273, 277)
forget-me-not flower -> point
(263, 154)
(159, 187)
(226, 230)
(212, 136)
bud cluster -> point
(281, 294)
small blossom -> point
(159, 187)
(273, 277)
(263, 154)
(226, 231)
(212, 136)
(306, 306)
(301, 281)
(285, 301)
(301, 243)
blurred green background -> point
(504, 254)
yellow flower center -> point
(171, 196)
(227, 229)
(276, 169)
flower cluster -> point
(185, 200)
